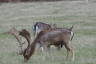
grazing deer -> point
(47, 38)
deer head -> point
(31, 46)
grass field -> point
(65, 14)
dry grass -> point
(24, 15)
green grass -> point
(64, 14)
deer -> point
(47, 38)
(40, 26)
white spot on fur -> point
(37, 30)
(71, 35)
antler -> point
(15, 33)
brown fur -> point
(45, 27)
(26, 35)
(56, 37)
(47, 38)
(30, 48)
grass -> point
(64, 14)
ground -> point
(65, 14)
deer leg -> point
(73, 53)
(69, 49)
(45, 46)
(59, 47)
(41, 47)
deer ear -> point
(54, 25)
(71, 28)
